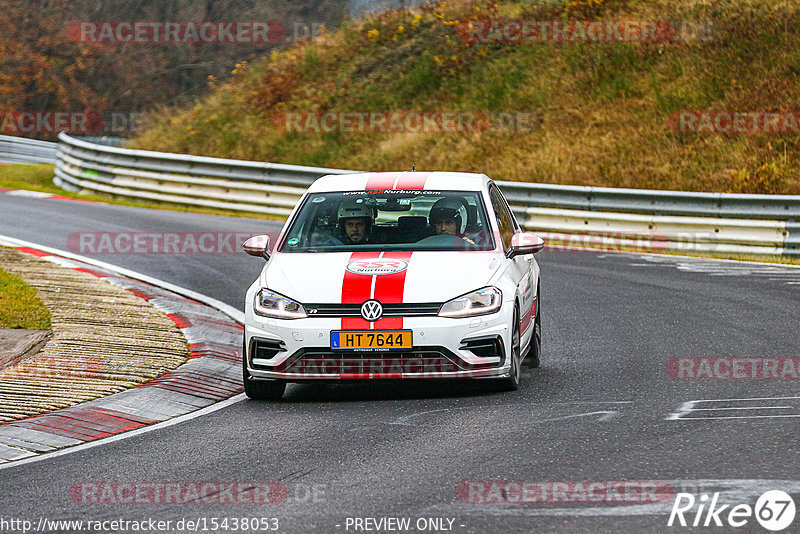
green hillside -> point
(604, 113)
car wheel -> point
(532, 359)
(511, 382)
(260, 389)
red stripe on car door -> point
(527, 317)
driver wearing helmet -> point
(445, 218)
(355, 222)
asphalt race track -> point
(601, 408)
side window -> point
(504, 220)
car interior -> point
(387, 229)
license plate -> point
(371, 340)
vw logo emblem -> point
(371, 310)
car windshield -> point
(390, 220)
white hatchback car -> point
(406, 275)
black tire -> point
(511, 382)
(533, 359)
(260, 389)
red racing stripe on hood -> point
(389, 289)
(356, 288)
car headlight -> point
(271, 304)
(480, 302)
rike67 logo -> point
(774, 511)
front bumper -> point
(299, 350)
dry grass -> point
(603, 107)
(20, 307)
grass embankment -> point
(20, 307)
(603, 107)
(38, 177)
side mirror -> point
(525, 243)
(258, 245)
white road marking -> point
(747, 399)
(685, 411)
(606, 415)
(746, 408)
(739, 417)
(595, 402)
(783, 273)
(26, 193)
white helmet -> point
(349, 209)
(446, 208)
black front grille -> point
(319, 360)
(389, 310)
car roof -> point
(436, 181)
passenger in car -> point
(445, 218)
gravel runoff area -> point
(104, 340)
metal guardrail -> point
(597, 217)
(654, 202)
(23, 150)
(706, 223)
(248, 186)
(627, 231)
